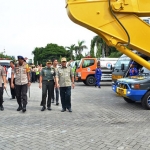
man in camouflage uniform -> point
(22, 81)
(64, 76)
(46, 82)
(2, 85)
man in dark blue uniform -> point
(98, 74)
(133, 70)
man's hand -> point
(57, 85)
(12, 86)
(73, 85)
(29, 83)
(5, 86)
(40, 85)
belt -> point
(50, 80)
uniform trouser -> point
(47, 86)
(56, 91)
(21, 93)
(33, 77)
(13, 92)
(65, 94)
(1, 96)
(57, 94)
(98, 79)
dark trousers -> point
(47, 86)
(33, 77)
(56, 94)
(12, 90)
(65, 94)
(1, 96)
(37, 78)
(21, 93)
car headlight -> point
(135, 86)
(79, 74)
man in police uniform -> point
(133, 70)
(2, 85)
(64, 76)
(22, 81)
(47, 77)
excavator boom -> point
(117, 22)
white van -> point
(5, 62)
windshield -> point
(122, 60)
(80, 63)
(72, 64)
(4, 64)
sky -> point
(26, 24)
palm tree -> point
(80, 47)
(71, 49)
(102, 47)
(92, 49)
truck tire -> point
(90, 81)
(146, 101)
(128, 100)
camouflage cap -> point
(63, 59)
(49, 62)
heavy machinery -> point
(118, 22)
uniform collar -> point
(63, 67)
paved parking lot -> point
(100, 121)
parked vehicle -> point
(87, 66)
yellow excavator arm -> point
(117, 22)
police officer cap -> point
(20, 57)
(49, 62)
(63, 59)
(132, 63)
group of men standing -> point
(51, 77)
(59, 77)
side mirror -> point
(122, 66)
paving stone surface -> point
(100, 120)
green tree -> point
(98, 42)
(79, 49)
(70, 50)
(103, 49)
(92, 49)
(42, 54)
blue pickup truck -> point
(135, 88)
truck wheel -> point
(146, 101)
(90, 81)
(128, 100)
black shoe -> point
(24, 109)
(49, 108)
(43, 108)
(1, 108)
(95, 86)
(63, 110)
(52, 102)
(69, 110)
(57, 104)
(99, 86)
(19, 108)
